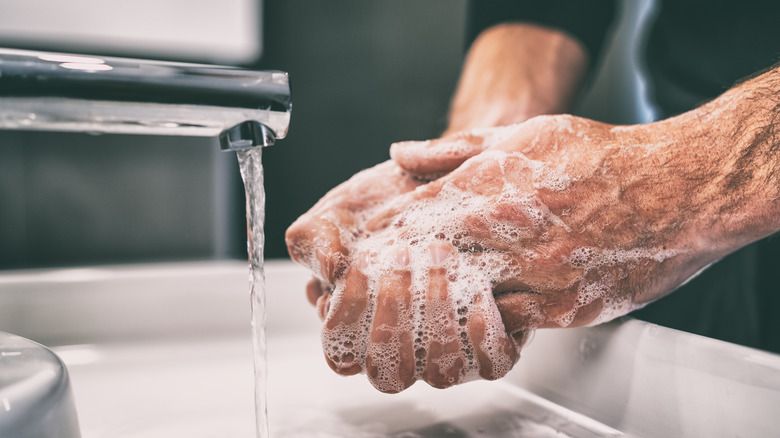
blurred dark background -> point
(364, 73)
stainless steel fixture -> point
(84, 93)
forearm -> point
(746, 142)
(514, 72)
(714, 172)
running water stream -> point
(249, 161)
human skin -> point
(514, 72)
(436, 266)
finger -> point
(588, 313)
(390, 363)
(527, 309)
(521, 310)
(323, 306)
(344, 331)
(437, 156)
(495, 351)
(315, 242)
(560, 307)
(442, 358)
(314, 290)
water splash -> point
(251, 167)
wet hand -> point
(323, 238)
(571, 222)
(555, 222)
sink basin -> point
(204, 389)
(164, 350)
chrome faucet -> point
(65, 92)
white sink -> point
(164, 351)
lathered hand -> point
(566, 221)
(555, 222)
(323, 239)
(550, 223)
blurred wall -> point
(224, 31)
(75, 199)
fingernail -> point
(401, 256)
(327, 263)
(323, 256)
(439, 253)
(362, 262)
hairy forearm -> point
(514, 72)
(745, 139)
(714, 172)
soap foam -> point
(591, 260)
(444, 321)
(472, 271)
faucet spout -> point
(246, 135)
(65, 92)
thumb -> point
(445, 154)
(438, 156)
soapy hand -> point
(556, 222)
(324, 237)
